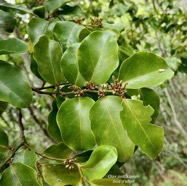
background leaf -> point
(100, 162)
(107, 126)
(74, 123)
(59, 150)
(13, 46)
(144, 69)
(67, 32)
(136, 120)
(20, 175)
(70, 66)
(52, 5)
(98, 56)
(14, 87)
(47, 54)
(58, 175)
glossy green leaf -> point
(7, 21)
(14, 87)
(136, 120)
(18, 174)
(98, 56)
(3, 106)
(144, 69)
(150, 97)
(13, 46)
(52, 127)
(17, 8)
(58, 175)
(74, 123)
(67, 32)
(3, 141)
(100, 162)
(70, 66)
(59, 151)
(47, 54)
(52, 5)
(36, 28)
(27, 157)
(107, 126)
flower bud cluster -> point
(70, 163)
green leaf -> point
(59, 151)
(107, 126)
(58, 175)
(3, 141)
(14, 87)
(52, 5)
(17, 8)
(70, 66)
(144, 69)
(7, 21)
(3, 106)
(36, 28)
(150, 97)
(27, 157)
(136, 120)
(67, 32)
(18, 174)
(13, 46)
(98, 56)
(52, 127)
(74, 123)
(100, 162)
(47, 54)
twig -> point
(21, 126)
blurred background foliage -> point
(147, 25)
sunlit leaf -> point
(74, 123)
(107, 126)
(136, 120)
(100, 162)
(144, 69)
(98, 56)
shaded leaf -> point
(14, 87)
(20, 175)
(150, 97)
(3, 106)
(37, 27)
(136, 120)
(52, 5)
(13, 46)
(70, 66)
(26, 156)
(107, 126)
(98, 56)
(52, 127)
(47, 54)
(67, 32)
(100, 162)
(74, 123)
(58, 175)
(3, 141)
(144, 69)
(7, 21)
(59, 151)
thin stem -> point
(20, 118)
